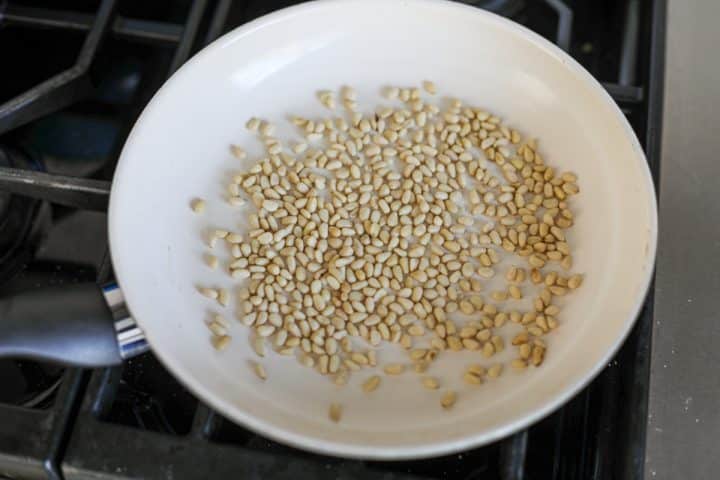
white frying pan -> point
(272, 67)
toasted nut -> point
(208, 292)
(259, 370)
(238, 152)
(448, 400)
(212, 261)
(335, 412)
(198, 205)
(430, 87)
(431, 383)
(575, 281)
(538, 355)
(258, 345)
(519, 364)
(220, 342)
(371, 384)
(394, 368)
(472, 379)
(421, 366)
(495, 370)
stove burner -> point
(22, 220)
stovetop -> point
(81, 72)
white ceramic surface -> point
(272, 67)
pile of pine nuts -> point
(386, 227)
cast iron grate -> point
(136, 421)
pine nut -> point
(495, 370)
(212, 261)
(394, 368)
(519, 364)
(238, 152)
(371, 384)
(335, 412)
(430, 87)
(575, 281)
(258, 345)
(431, 383)
(472, 379)
(223, 297)
(259, 370)
(220, 342)
(208, 292)
(198, 205)
(253, 124)
(448, 400)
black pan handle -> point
(69, 324)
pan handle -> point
(80, 325)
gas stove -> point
(82, 72)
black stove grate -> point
(137, 421)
